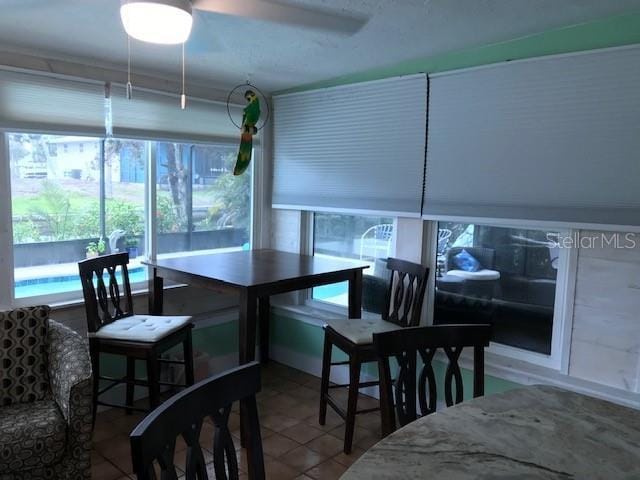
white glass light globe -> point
(163, 21)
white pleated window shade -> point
(37, 102)
(355, 148)
(43, 103)
(159, 116)
(550, 139)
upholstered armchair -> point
(46, 409)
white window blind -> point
(551, 139)
(32, 101)
(356, 148)
(43, 103)
(159, 116)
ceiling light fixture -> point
(166, 22)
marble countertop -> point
(529, 433)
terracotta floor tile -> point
(277, 445)
(306, 393)
(276, 470)
(302, 433)
(329, 470)
(326, 445)
(347, 460)
(359, 433)
(332, 420)
(302, 458)
(105, 471)
(277, 421)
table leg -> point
(247, 349)
(156, 285)
(264, 316)
(355, 294)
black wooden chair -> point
(114, 328)
(405, 345)
(405, 294)
(153, 441)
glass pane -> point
(201, 205)
(502, 276)
(54, 200)
(124, 172)
(359, 238)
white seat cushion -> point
(484, 274)
(360, 330)
(142, 328)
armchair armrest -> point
(69, 366)
(71, 384)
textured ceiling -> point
(223, 50)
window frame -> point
(7, 288)
(558, 359)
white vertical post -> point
(6, 226)
(150, 204)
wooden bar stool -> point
(114, 328)
(405, 294)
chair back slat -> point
(106, 302)
(405, 293)
(153, 440)
(405, 345)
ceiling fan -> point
(170, 21)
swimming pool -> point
(65, 283)
(70, 283)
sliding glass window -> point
(506, 277)
(74, 197)
(359, 238)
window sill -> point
(314, 312)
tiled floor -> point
(295, 446)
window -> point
(359, 238)
(54, 215)
(59, 217)
(201, 205)
(503, 276)
(53, 149)
(81, 147)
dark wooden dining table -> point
(255, 275)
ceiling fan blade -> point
(284, 14)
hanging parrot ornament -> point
(250, 119)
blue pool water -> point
(329, 291)
(67, 283)
(71, 283)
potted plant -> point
(96, 248)
(92, 250)
(131, 244)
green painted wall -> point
(608, 32)
(291, 334)
(308, 339)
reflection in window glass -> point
(502, 276)
(54, 193)
(201, 205)
(360, 238)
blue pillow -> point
(467, 262)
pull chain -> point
(129, 86)
(183, 96)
